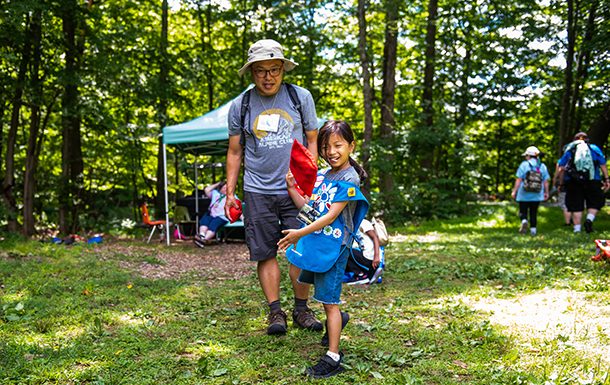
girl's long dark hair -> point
(342, 129)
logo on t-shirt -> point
(278, 139)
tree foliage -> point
(88, 85)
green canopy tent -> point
(205, 135)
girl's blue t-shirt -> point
(525, 166)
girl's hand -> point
(291, 238)
(290, 179)
(514, 195)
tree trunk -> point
(582, 66)
(72, 160)
(162, 110)
(9, 166)
(30, 161)
(204, 30)
(367, 97)
(565, 103)
(599, 130)
(386, 179)
(428, 86)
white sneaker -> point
(376, 275)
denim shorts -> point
(327, 286)
(213, 223)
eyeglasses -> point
(275, 72)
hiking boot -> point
(326, 367)
(344, 321)
(305, 319)
(589, 226)
(523, 228)
(277, 322)
(376, 275)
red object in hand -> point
(304, 168)
(235, 212)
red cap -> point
(235, 212)
(304, 168)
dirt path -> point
(224, 261)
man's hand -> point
(606, 184)
(513, 194)
(230, 202)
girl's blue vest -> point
(319, 250)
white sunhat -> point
(266, 50)
(531, 151)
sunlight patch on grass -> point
(571, 319)
(126, 319)
(70, 332)
(15, 297)
(210, 350)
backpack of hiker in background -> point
(533, 180)
(381, 232)
(571, 170)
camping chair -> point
(182, 217)
(153, 224)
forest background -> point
(444, 95)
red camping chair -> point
(153, 224)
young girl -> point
(321, 248)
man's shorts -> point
(577, 193)
(327, 286)
(265, 217)
(213, 223)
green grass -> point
(74, 315)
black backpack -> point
(533, 180)
(245, 105)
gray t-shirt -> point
(267, 154)
(347, 175)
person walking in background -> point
(263, 123)
(581, 169)
(561, 197)
(531, 188)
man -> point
(270, 125)
(582, 180)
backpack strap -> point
(294, 98)
(245, 105)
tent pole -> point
(166, 198)
(196, 198)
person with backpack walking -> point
(531, 188)
(263, 123)
(581, 168)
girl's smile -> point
(337, 152)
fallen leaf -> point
(118, 352)
(461, 364)
(499, 287)
(85, 292)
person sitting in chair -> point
(215, 218)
